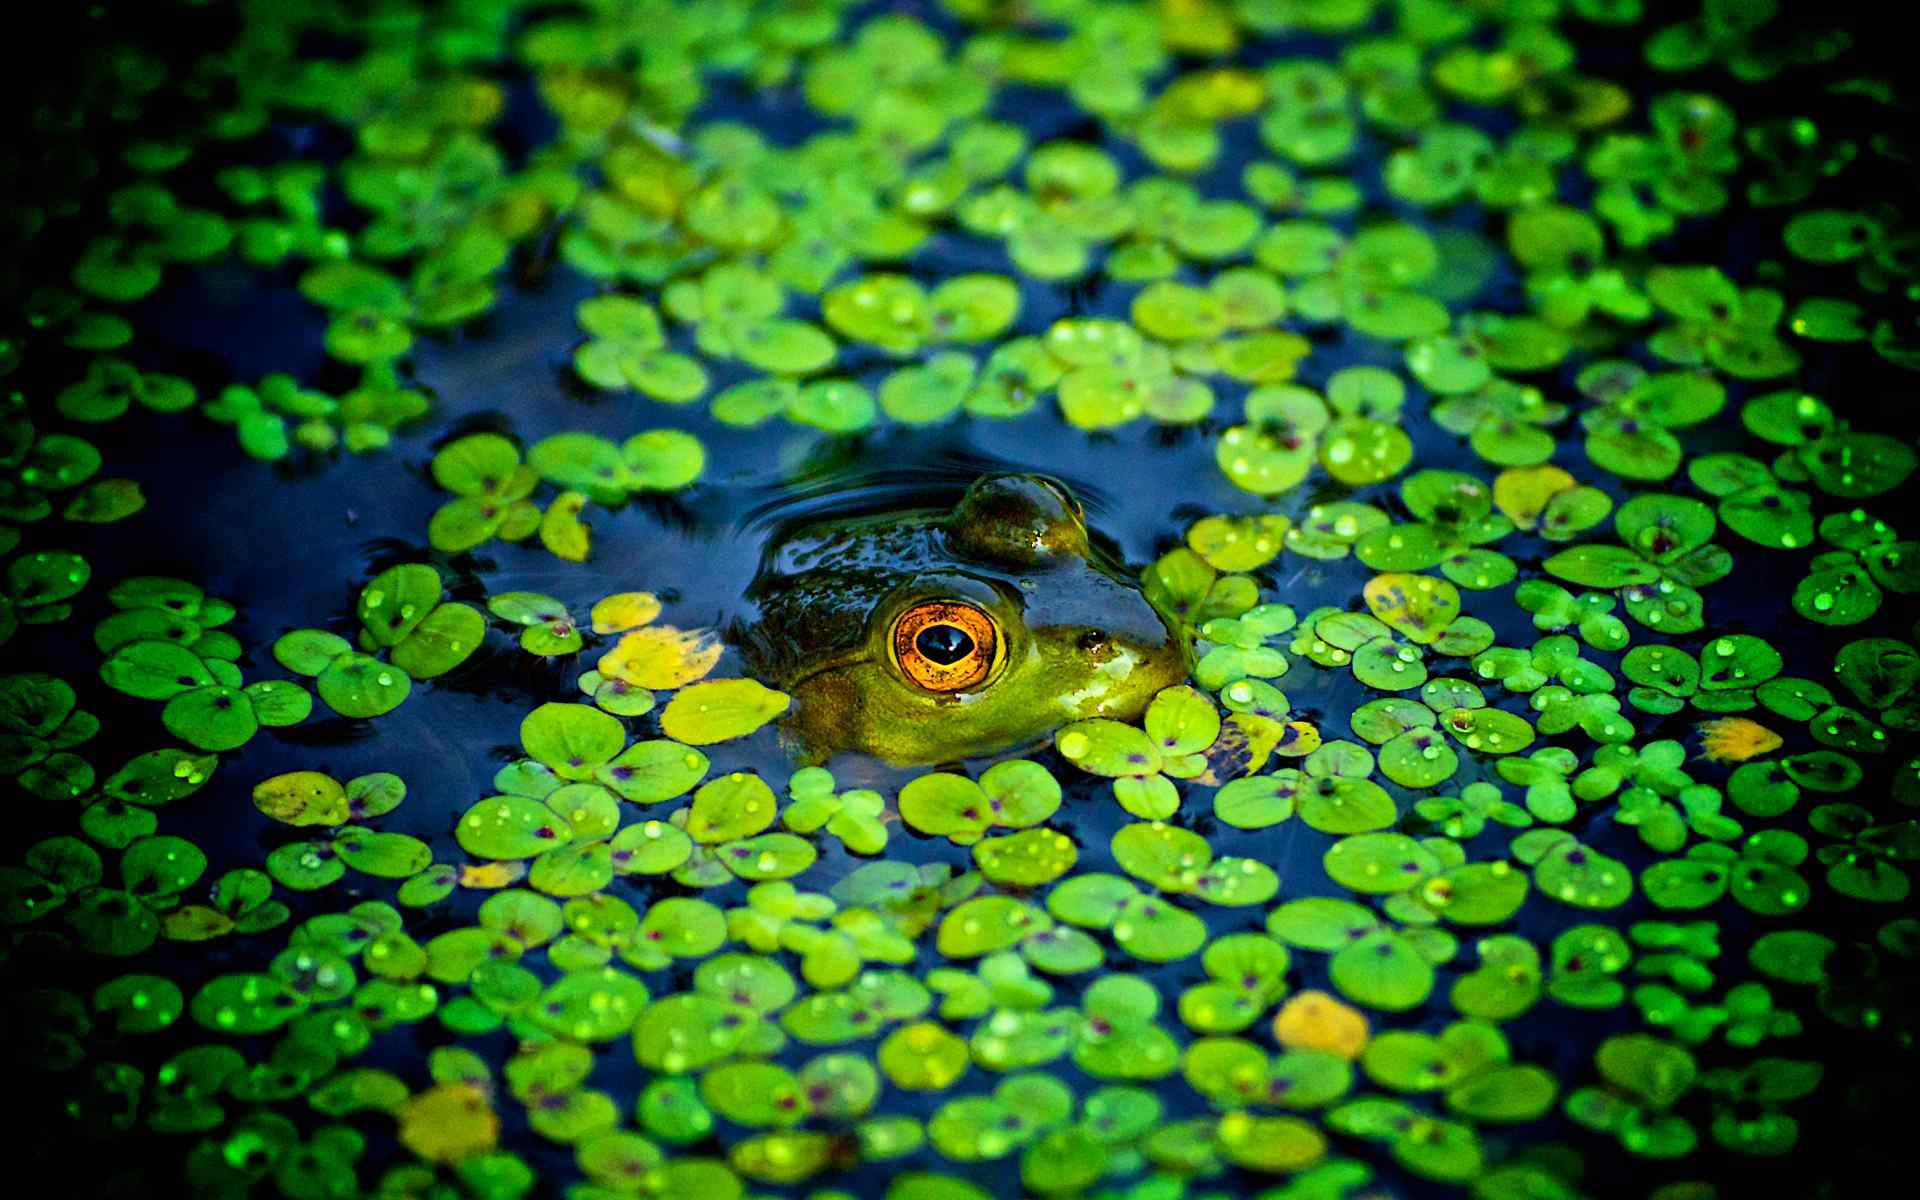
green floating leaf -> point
(359, 685)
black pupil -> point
(944, 644)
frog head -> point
(924, 636)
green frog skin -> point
(927, 636)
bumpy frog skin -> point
(925, 636)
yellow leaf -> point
(1199, 27)
(487, 876)
(923, 1057)
(625, 610)
(562, 531)
(195, 923)
(661, 656)
(1524, 492)
(720, 709)
(1736, 739)
(302, 798)
(1316, 1021)
(1418, 606)
(1301, 740)
(1217, 95)
(1238, 543)
(448, 1123)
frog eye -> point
(945, 645)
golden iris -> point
(945, 645)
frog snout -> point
(1148, 655)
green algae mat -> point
(1300, 599)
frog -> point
(925, 636)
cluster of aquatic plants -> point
(806, 961)
(403, 614)
(493, 487)
(49, 474)
(165, 643)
